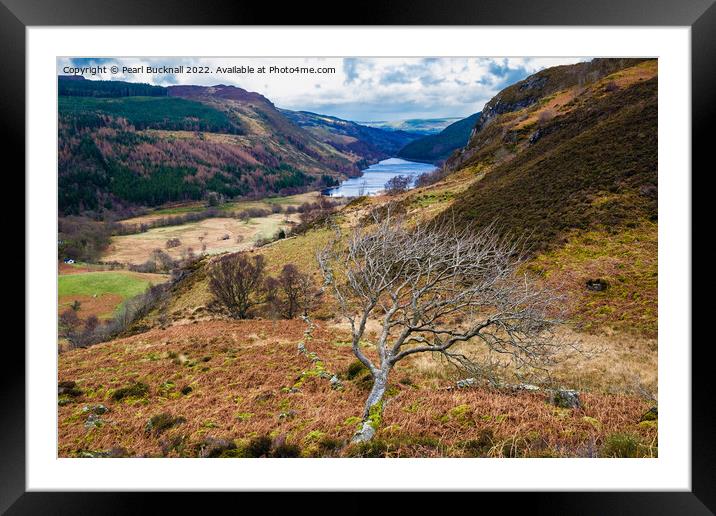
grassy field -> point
(206, 236)
(100, 293)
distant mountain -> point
(126, 144)
(350, 137)
(437, 147)
(414, 125)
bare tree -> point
(237, 282)
(433, 287)
(291, 292)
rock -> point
(93, 421)
(117, 452)
(302, 348)
(336, 383)
(89, 454)
(467, 382)
(526, 387)
(212, 447)
(565, 398)
(597, 285)
(95, 409)
(283, 416)
(535, 136)
(650, 415)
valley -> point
(160, 209)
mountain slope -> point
(576, 172)
(349, 137)
(436, 147)
(125, 144)
(574, 160)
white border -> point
(671, 471)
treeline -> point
(78, 86)
(307, 210)
(168, 113)
(109, 167)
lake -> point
(374, 177)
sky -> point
(359, 89)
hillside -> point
(349, 137)
(437, 147)
(124, 144)
(574, 168)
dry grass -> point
(137, 248)
(241, 373)
(606, 363)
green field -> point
(124, 284)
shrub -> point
(285, 450)
(135, 390)
(162, 422)
(371, 449)
(480, 446)
(621, 445)
(259, 446)
(355, 369)
(173, 242)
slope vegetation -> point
(124, 145)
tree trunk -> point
(373, 413)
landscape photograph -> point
(357, 257)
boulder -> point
(97, 410)
(597, 285)
(93, 421)
(565, 398)
(467, 382)
(336, 383)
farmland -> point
(208, 236)
(101, 292)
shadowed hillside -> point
(350, 137)
(437, 147)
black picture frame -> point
(699, 15)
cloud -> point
(359, 88)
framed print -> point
(440, 249)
